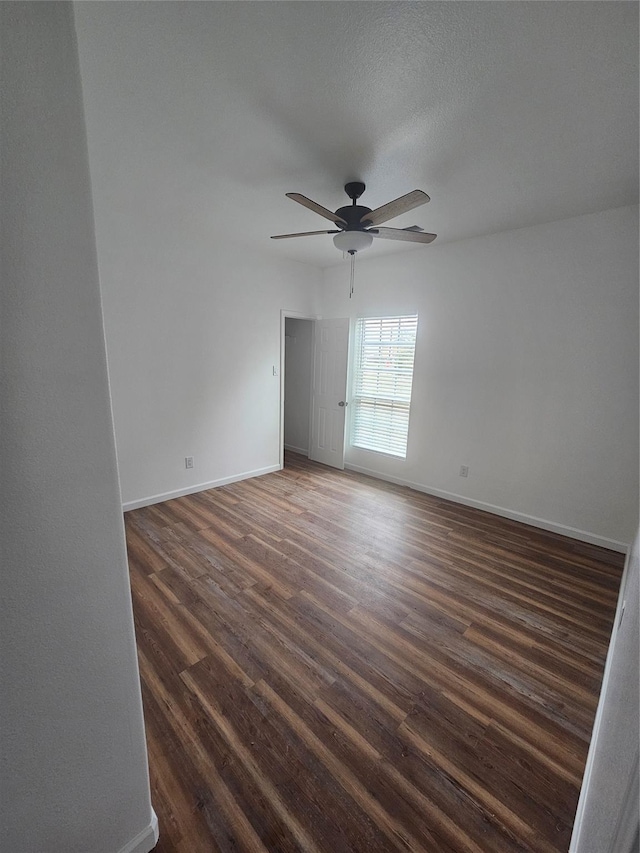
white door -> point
(329, 392)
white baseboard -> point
(144, 841)
(303, 451)
(201, 487)
(542, 523)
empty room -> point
(320, 427)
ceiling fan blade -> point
(413, 228)
(403, 234)
(396, 207)
(317, 208)
(304, 234)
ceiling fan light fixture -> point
(352, 241)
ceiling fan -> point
(358, 225)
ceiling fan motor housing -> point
(352, 215)
(354, 212)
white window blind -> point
(383, 376)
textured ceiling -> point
(507, 113)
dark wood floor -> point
(331, 663)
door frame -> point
(295, 315)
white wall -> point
(608, 810)
(193, 334)
(73, 753)
(297, 383)
(526, 368)
(192, 322)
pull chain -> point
(353, 270)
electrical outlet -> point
(464, 470)
(188, 461)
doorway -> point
(297, 381)
(313, 387)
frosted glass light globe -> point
(352, 241)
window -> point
(383, 375)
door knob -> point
(342, 403)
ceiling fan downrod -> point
(353, 214)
